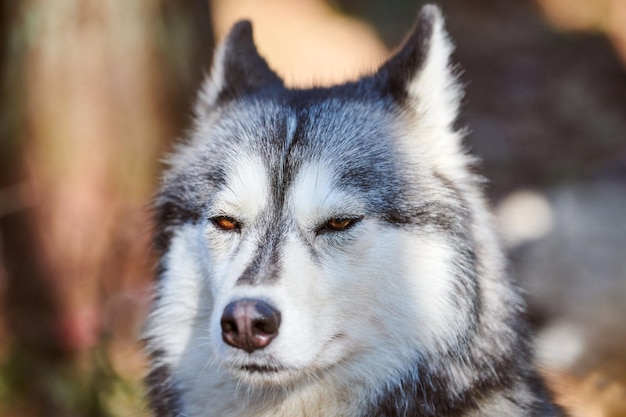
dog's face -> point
(313, 231)
(299, 224)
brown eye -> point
(225, 223)
(337, 225)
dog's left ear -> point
(418, 74)
(238, 68)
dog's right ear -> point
(238, 69)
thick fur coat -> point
(328, 252)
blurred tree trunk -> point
(29, 303)
(94, 127)
(95, 89)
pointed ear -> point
(418, 74)
(238, 68)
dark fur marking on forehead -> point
(367, 89)
(265, 265)
(286, 165)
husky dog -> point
(328, 252)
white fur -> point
(434, 89)
(172, 320)
(356, 305)
(434, 96)
(247, 191)
(429, 277)
(214, 84)
(314, 198)
(363, 307)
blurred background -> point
(94, 91)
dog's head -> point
(316, 231)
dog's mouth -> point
(267, 374)
(259, 369)
(267, 370)
(254, 368)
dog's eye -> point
(337, 225)
(226, 223)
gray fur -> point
(387, 139)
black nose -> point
(249, 324)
